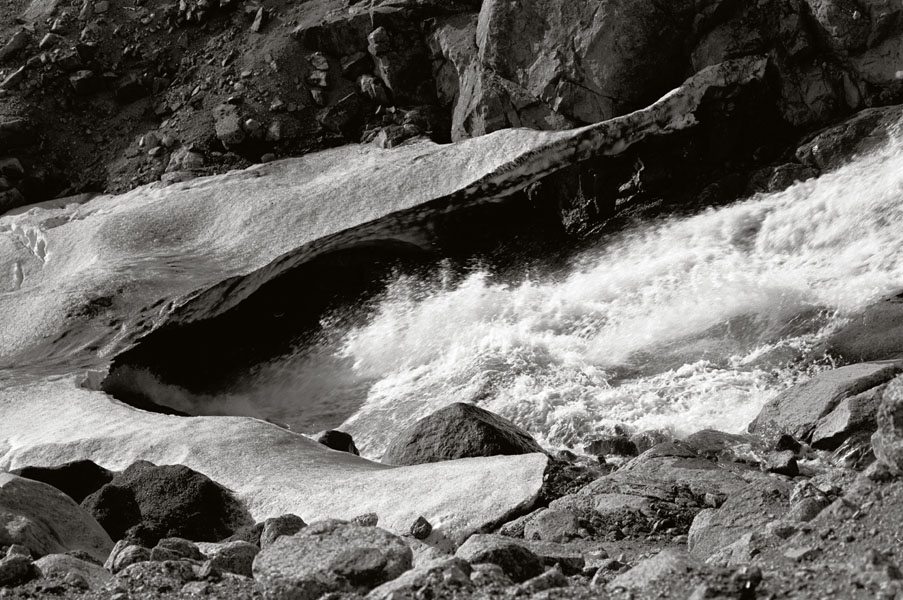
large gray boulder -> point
(458, 431)
(330, 556)
(748, 510)
(877, 332)
(515, 559)
(798, 410)
(61, 565)
(47, 521)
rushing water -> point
(682, 325)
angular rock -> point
(124, 554)
(60, 565)
(16, 570)
(436, 575)
(227, 125)
(618, 445)
(330, 556)
(338, 440)
(77, 479)
(744, 511)
(231, 557)
(552, 525)
(852, 415)
(458, 431)
(181, 548)
(875, 334)
(276, 527)
(421, 528)
(666, 564)
(13, 80)
(553, 578)
(175, 501)
(797, 410)
(47, 521)
(514, 558)
(782, 463)
(18, 42)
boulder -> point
(276, 527)
(61, 565)
(174, 501)
(518, 562)
(77, 479)
(231, 557)
(18, 42)
(874, 334)
(829, 149)
(748, 510)
(887, 442)
(798, 410)
(16, 569)
(227, 125)
(338, 440)
(852, 415)
(437, 575)
(47, 521)
(667, 564)
(458, 431)
(552, 525)
(571, 556)
(124, 554)
(330, 556)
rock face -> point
(172, 501)
(330, 556)
(799, 410)
(46, 521)
(458, 431)
(517, 561)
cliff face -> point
(104, 96)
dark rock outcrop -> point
(171, 501)
(338, 440)
(458, 431)
(77, 479)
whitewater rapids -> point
(680, 325)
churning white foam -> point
(686, 324)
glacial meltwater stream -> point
(683, 324)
